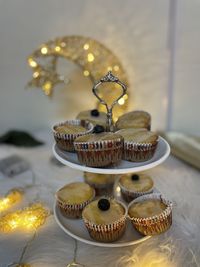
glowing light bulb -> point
(125, 97)
(35, 74)
(86, 46)
(47, 86)
(12, 198)
(109, 68)
(86, 73)
(57, 48)
(44, 50)
(90, 57)
(62, 44)
(32, 62)
(116, 67)
(121, 101)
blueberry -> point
(94, 113)
(98, 129)
(104, 204)
(135, 177)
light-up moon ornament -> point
(93, 57)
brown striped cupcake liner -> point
(73, 211)
(129, 195)
(100, 153)
(156, 224)
(66, 141)
(107, 232)
(138, 152)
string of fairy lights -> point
(28, 219)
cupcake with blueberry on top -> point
(105, 219)
(134, 185)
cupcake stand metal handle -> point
(109, 77)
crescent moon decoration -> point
(93, 57)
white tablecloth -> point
(180, 246)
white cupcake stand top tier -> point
(70, 159)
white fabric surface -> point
(180, 246)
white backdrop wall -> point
(137, 31)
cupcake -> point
(94, 116)
(99, 149)
(150, 214)
(135, 185)
(102, 183)
(134, 119)
(73, 197)
(139, 144)
(66, 132)
(105, 219)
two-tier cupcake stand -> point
(76, 228)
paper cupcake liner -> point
(138, 152)
(107, 232)
(99, 153)
(66, 141)
(129, 195)
(73, 211)
(156, 224)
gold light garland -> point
(93, 57)
(29, 218)
(12, 198)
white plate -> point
(76, 229)
(71, 160)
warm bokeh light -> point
(29, 218)
(11, 199)
(62, 44)
(90, 57)
(86, 46)
(44, 50)
(121, 101)
(86, 73)
(47, 86)
(57, 48)
(35, 74)
(116, 68)
(32, 63)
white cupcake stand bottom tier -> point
(76, 228)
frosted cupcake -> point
(135, 185)
(139, 144)
(150, 214)
(105, 219)
(73, 197)
(134, 119)
(66, 132)
(102, 183)
(94, 116)
(99, 149)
